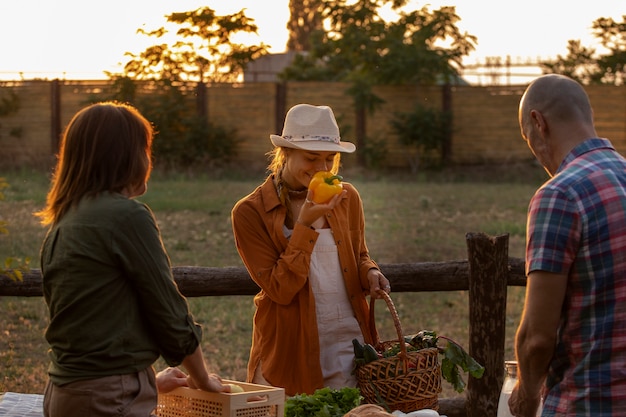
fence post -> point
(280, 103)
(446, 100)
(202, 108)
(55, 115)
(488, 275)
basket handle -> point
(396, 322)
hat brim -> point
(313, 145)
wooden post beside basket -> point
(408, 381)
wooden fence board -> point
(485, 127)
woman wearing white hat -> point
(310, 261)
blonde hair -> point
(106, 147)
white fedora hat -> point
(311, 128)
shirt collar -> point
(583, 148)
(270, 195)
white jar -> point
(510, 380)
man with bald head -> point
(571, 342)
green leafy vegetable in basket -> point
(422, 340)
(364, 353)
(454, 356)
(324, 402)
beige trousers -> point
(130, 395)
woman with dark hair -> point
(114, 306)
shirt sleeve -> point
(140, 250)
(554, 230)
(280, 271)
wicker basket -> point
(255, 401)
(408, 381)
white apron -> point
(336, 323)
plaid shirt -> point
(577, 226)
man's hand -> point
(521, 405)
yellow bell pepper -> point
(325, 185)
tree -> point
(578, 64)
(208, 53)
(305, 19)
(612, 66)
(359, 47)
(588, 66)
(420, 47)
(12, 267)
(424, 131)
(205, 53)
(10, 104)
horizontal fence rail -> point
(197, 281)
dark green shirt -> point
(114, 306)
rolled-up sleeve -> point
(278, 265)
(143, 256)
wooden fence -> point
(484, 128)
(485, 276)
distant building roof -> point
(267, 68)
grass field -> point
(407, 220)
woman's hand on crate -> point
(170, 379)
(199, 377)
(213, 383)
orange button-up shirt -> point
(285, 338)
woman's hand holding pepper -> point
(312, 211)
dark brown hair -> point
(106, 147)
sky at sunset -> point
(79, 39)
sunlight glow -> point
(73, 40)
